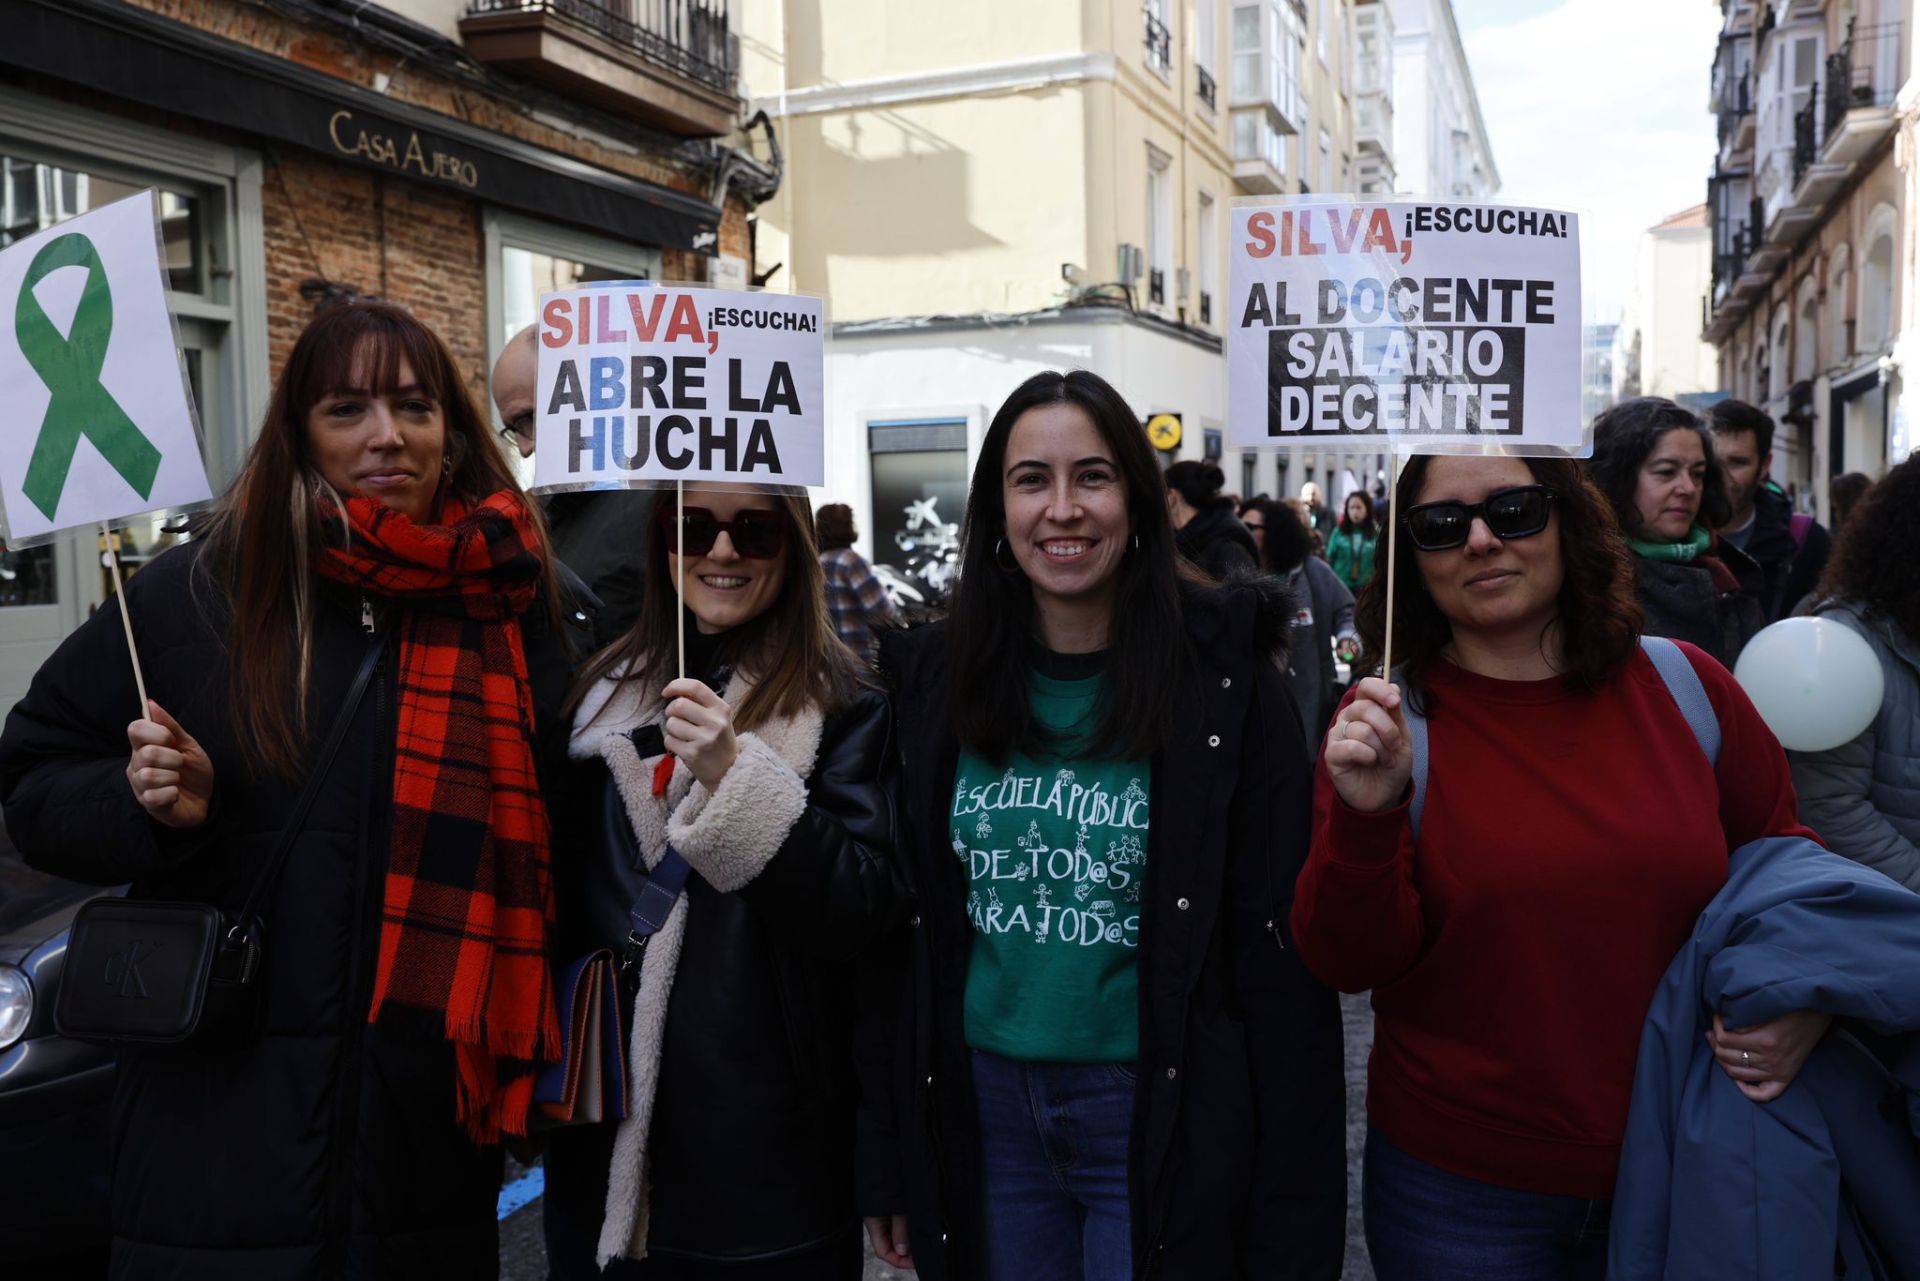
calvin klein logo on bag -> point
(131, 984)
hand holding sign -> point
(1369, 752)
(171, 774)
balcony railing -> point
(1209, 92)
(688, 36)
(1159, 43)
(1735, 103)
(1806, 142)
(1862, 73)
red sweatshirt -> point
(1568, 843)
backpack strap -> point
(1683, 683)
(1798, 525)
(1417, 733)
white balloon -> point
(1815, 682)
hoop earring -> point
(1136, 542)
(998, 547)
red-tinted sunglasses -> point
(757, 534)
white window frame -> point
(1207, 255)
(1160, 219)
(503, 228)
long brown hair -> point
(991, 623)
(1598, 618)
(265, 528)
(790, 651)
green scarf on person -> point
(1697, 541)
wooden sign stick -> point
(126, 619)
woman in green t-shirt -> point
(1109, 1059)
(1350, 550)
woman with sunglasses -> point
(744, 809)
(1110, 1060)
(1654, 461)
(1513, 924)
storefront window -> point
(919, 496)
(525, 274)
(35, 196)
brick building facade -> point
(455, 156)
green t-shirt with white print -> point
(1055, 848)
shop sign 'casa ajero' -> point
(399, 149)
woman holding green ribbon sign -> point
(1109, 1059)
(1654, 461)
(374, 584)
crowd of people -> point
(1011, 938)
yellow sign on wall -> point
(1164, 431)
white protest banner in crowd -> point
(100, 424)
(1412, 325)
(651, 383)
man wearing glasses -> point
(598, 534)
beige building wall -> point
(1659, 336)
(960, 174)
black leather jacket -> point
(752, 1145)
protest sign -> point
(641, 385)
(102, 427)
(1405, 325)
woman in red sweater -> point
(1572, 831)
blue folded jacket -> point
(1827, 1176)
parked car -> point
(54, 1093)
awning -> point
(113, 48)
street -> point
(523, 1257)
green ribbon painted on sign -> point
(70, 367)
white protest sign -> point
(100, 427)
(660, 383)
(1413, 325)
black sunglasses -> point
(757, 534)
(1520, 512)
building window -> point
(1159, 36)
(1159, 224)
(1322, 24)
(1875, 324)
(1207, 261)
(1255, 138)
(1326, 161)
(1206, 51)
(526, 258)
(1267, 41)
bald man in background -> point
(600, 534)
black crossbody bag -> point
(145, 973)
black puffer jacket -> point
(600, 534)
(1217, 542)
(1237, 1166)
(326, 1147)
(754, 1122)
(1689, 601)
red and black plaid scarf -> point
(469, 901)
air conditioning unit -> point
(1183, 286)
(1133, 263)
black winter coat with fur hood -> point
(1237, 1165)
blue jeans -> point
(1053, 1148)
(1428, 1224)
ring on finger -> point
(1746, 1058)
